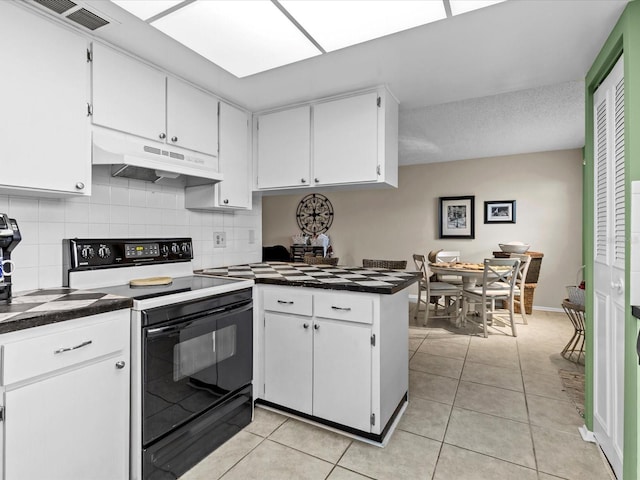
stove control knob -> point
(175, 248)
(87, 253)
(185, 248)
(104, 252)
(164, 250)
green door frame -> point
(623, 40)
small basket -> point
(576, 294)
(312, 260)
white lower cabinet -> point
(289, 361)
(66, 416)
(337, 356)
(342, 373)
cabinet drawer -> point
(31, 357)
(295, 302)
(344, 307)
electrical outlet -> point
(220, 239)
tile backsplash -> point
(119, 208)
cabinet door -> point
(345, 140)
(192, 118)
(44, 128)
(235, 189)
(284, 140)
(77, 422)
(288, 344)
(128, 95)
(342, 373)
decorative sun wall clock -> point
(314, 214)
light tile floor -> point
(479, 408)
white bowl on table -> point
(514, 247)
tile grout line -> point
(435, 467)
(244, 456)
(526, 404)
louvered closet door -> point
(609, 266)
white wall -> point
(395, 223)
(119, 208)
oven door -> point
(193, 363)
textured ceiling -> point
(499, 80)
(533, 120)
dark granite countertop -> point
(355, 279)
(42, 307)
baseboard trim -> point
(548, 309)
(414, 299)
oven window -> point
(190, 367)
(196, 354)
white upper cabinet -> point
(192, 118)
(235, 158)
(135, 98)
(345, 140)
(128, 95)
(284, 147)
(234, 163)
(44, 127)
(354, 141)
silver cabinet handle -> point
(316, 180)
(303, 180)
(80, 186)
(120, 365)
(174, 139)
(306, 325)
(162, 136)
(285, 302)
(225, 201)
(344, 309)
(316, 326)
(68, 349)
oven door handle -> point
(152, 332)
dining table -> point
(470, 273)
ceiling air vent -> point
(58, 6)
(87, 19)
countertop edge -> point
(381, 281)
(26, 320)
(334, 286)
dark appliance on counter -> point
(9, 238)
(191, 348)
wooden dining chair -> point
(499, 279)
(435, 291)
(448, 256)
(519, 290)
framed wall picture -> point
(457, 217)
(500, 211)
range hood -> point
(141, 159)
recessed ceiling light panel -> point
(463, 6)
(145, 9)
(339, 24)
(243, 37)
